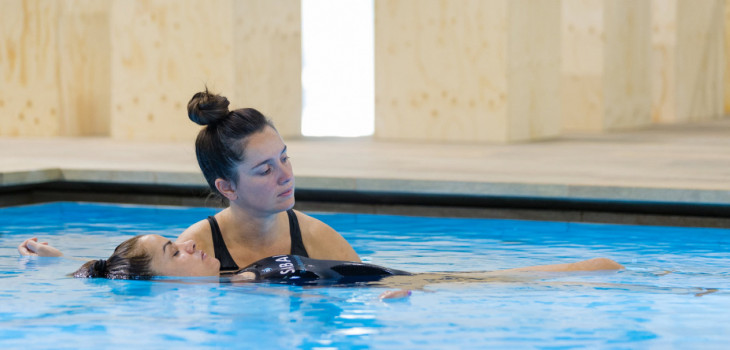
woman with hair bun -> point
(245, 161)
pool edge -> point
(545, 208)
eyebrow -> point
(266, 161)
(165, 246)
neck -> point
(250, 228)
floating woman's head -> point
(241, 154)
(147, 256)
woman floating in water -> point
(147, 256)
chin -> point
(288, 204)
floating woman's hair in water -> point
(127, 262)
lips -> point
(287, 193)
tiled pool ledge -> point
(653, 206)
(671, 171)
(429, 188)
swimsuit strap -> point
(219, 246)
(297, 245)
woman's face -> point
(178, 259)
(265, 178)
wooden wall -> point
(127, 68)
(268, 60)
(699, 61)
(165, 51)
(606, 61)
(688, 60)
(478, 71)
(726, 59)
(30, 94)
(456, 71)
(84, 67)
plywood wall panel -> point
(163, 51)
(663, 49)
(443, 69)
(582, 64)
(700, 59)
(606, 64)
(440, 70)
(29, 80)
(84, 48)
(627, 61)
(533, 70)
(268, 60)
(726, 87)
(689, 60)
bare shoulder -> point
(200, 233)
(322, 241)
(314, 229)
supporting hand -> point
(395, 294)
(31, 247)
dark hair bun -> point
(206, 108)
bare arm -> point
(585, 265)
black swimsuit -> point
(298, 270)
(227, 262)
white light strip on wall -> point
(337, 68)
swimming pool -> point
(665, 298)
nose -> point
(189, 246)
(286, 174)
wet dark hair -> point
(220, 146)
(127, 262)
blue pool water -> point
(665, 298)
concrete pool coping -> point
(683, 166)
